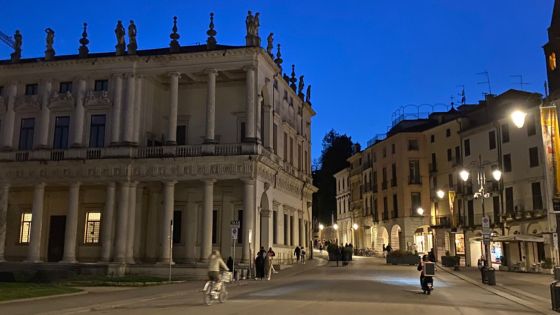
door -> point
(57, 230)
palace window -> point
(413, 145)
(448, 132)
(97, 131)
(507, 163)
(215, 226)
(181, 135)
(93, 225)
(240, 233)
(61, 127)
(505, 133)
(31, 89)
(275, 138)
(101, 85)
(26, 134)
(25, 228)
(537, 196)
(492, 140)
(467, 147)
(274, 227)
(533, 157)
(65, 87)
(177, 216)
(531, 127)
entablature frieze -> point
(114, 170)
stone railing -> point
(130, 152)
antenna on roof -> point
(8, 40)
(521, 82)
(463, 95)
(487, 82)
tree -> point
(336, 150)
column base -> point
(164, 263)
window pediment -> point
(61, 101)
(26, 103)
(98, 99)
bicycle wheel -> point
(223, 295)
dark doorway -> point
(57, 230)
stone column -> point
(132, 209)
(79, 115)
(173, 107)
(211, 107)
(251, 112)
(71, 224)
(107, 223)
(168, 207)
(152, 243)
(207, 212)
(117, 105)
(190, 235)
(139, 233)
(302, 232)
(122, 223)
(248, 219)
(289, 229)
(9, 119)
(295, 232)
(45, 115)
(128, 128)
(138, 109)
(5, 190)
(34, 250)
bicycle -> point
(216, 291)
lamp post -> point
(335, 227)
(321, 227)
(483, 194)
(354, 229)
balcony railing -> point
(134, 153)
(414, 180)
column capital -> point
(169, 183)
(40, 185)
(248, 181)
(249, 67)
(174, 74)
(208, 181)
(117, 75)
(75, 184)
(112, 184)
(211, 71)
(128, 75)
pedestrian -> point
(297, 253)
(338, 254)
(321, 249)
(229, 263)
(388, 249)
(432, 256)
(270, 262)
(302, 255)
(259, 266)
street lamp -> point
(321, 227)
(420, 211)
(335, 227)
(482, 193)
(440, 194)
(518, 118)
(355, 226)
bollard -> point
(555, 296)
(491, 276)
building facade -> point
(146, 156)
(343, 212)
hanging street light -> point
(518, 118)
(464, 175)
(440, 194)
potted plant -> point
(448, 260)
(547, 266)
(402, 257)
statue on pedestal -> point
(132, 45)
(270, 44)
(18, 40)
(301, 85)
(308, 95)
(252, 23)
(49, 53)
(121, 45)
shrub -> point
(400, 253)
(547, 263)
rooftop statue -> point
(49, 53)
(132, 45)
(270, 44)
(119, 32)
(18, 40)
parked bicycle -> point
(216, 290)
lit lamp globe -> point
(321, 227)
(497, 174)
(420, 211)
(355, 226)
(518, 118)
(464, 174)
(335, 226)
(440, 193)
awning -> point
(519, 238)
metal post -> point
(233, 267)
(170, 249)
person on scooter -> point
(425, 281)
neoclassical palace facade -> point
(113, 157)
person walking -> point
(302, 255)
(321, 249)
(269, 261)
(431, 256)
(297, 253)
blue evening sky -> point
(364, 58)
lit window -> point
(25, 228)
(552, 61)
(93, 223)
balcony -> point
(393, 182)
(442, 222)
(433, 168)
(414, 180)
(134, 153)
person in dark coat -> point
(431, 256)
(259, 265)
(297, 252)
(229, 263)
